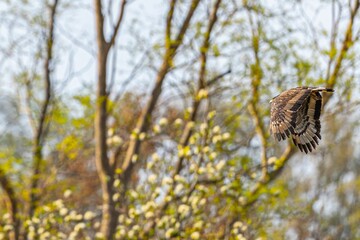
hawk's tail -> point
(322, 89)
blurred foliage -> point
(219, 192)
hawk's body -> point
(296, 113)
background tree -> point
(172, 140)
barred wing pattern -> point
(296, 113)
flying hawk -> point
(296, 113)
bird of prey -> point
(295, 113)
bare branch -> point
(196, 103)
(117, 26)
(201, 82)
(168, 24)
(100, 24)
(346, 44)
(256, 74)
(104, 169)
(145, 118)
(40, 133)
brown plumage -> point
(296, 113)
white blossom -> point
(203, 127)
(31, 235)
(155, 157)
(60, 235)
(226, 136)
(134, 158)
(136, 227)
(178, 122)
(116, 197)
(79, 226)
(179, 187)
(132, 213)
(67, 193)
(97, 225)
(117, 140)
(63, 211)
(216, 139)
(117, 183)
(213, 155)
(211, 115)
(134, 194)
(193, 167)
(179, 178)
(157, 191)
(194, 200)
(238, 224)
(201, 170)
(110, 132)
(44, 235)
(195, 235)
(167, 180)
(149, 215)
(122, 232)
(271, 160)
(8, 227)
(168, 198)
(190, 124)
(169, 232)
(156, 129)
(216, 129)
(189, 110)
(240, 237)
(220, 165)
(121, 218)
(163, 122)
(131, 233)
(99, 235)
(224, 188)
(35, 220)
(47, 208)
(31, 228)
(183, 209)
(142, 136)
(59, 203)
(206, 149)
(152, 178)
(89, 215)
(199, 225)
(78, 217)
(241, 200)
(202, 201)
(203, 93)
(150, 165)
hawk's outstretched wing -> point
(296, 113)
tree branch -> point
(196, 103)
(100, 25)
(346, 44)
(145, 118)
(117, 26)
(40, 134)
(10, 193)
(256, 74)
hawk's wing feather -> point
(284, 110)
(296, 113)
